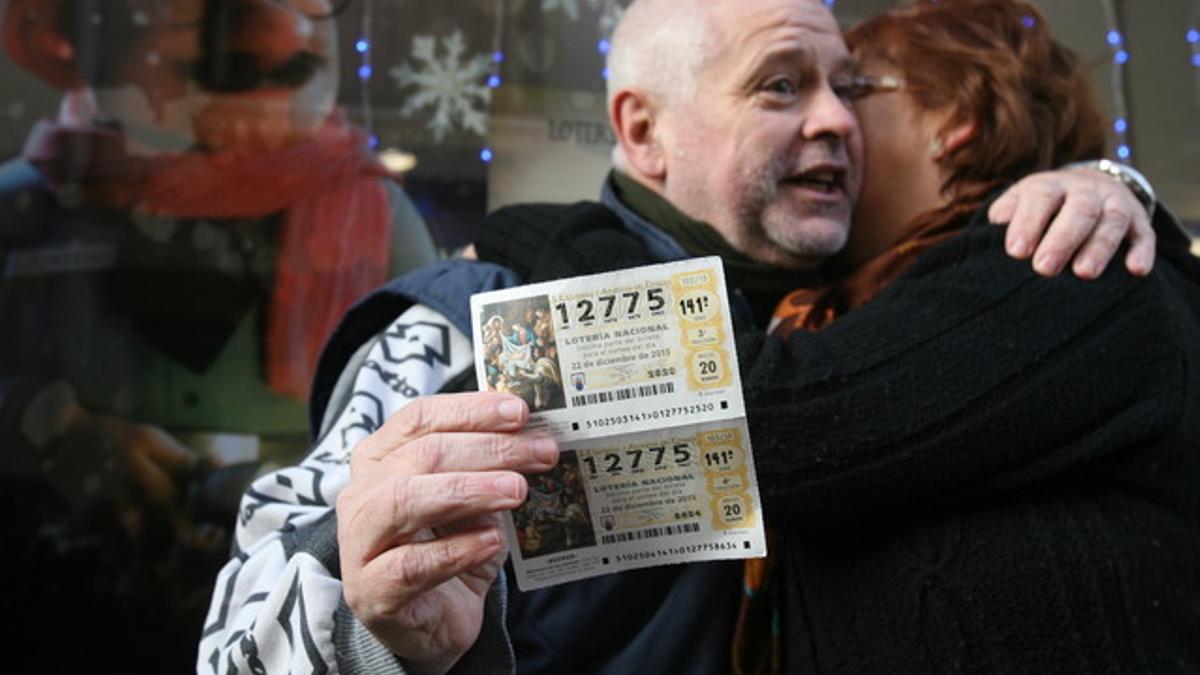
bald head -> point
(732, 111)
(659, 47)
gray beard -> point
(754, 215)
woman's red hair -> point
(994, 63)
(991, 63)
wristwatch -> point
(1129, 176)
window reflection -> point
(181, 232)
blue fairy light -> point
(486, 155)
(1121, 57)
(1120, 125)
(1123, 151)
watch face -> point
(1130, 178)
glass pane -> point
(198, 189)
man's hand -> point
(419, 525)
(1088, 213)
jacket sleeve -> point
(277, 604)
(970, 375)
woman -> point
(954, 103)
(997, 473)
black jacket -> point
(986, 471)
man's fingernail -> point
(1019, 246)
(1147, 264)
(511, 410)
(545, 449)
(1046, 263)
(509, 486)
(1089, 268)
(489, 537)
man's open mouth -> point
(826, 180)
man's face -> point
(213, 74)
(767, 150)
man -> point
(403, 575)
(169, 277)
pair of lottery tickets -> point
(635, 373)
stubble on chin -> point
(787, 230)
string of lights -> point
(1193, 38)
(1120, 57)
(363, 47)
(604, 45)
(494, 80)
(365, 72)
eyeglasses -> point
(862, 86)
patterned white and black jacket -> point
(277, 605)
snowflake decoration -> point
(454, 88)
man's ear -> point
(634, 116)
(953, 138)
(35, 42)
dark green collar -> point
(764, 285)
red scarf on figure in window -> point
(330, 189)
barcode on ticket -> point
(625, 394)
(650, 533)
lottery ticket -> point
(635, 372)
(594, 356)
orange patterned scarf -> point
(813, 309)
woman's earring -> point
(935, 147)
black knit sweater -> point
(985, 471)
